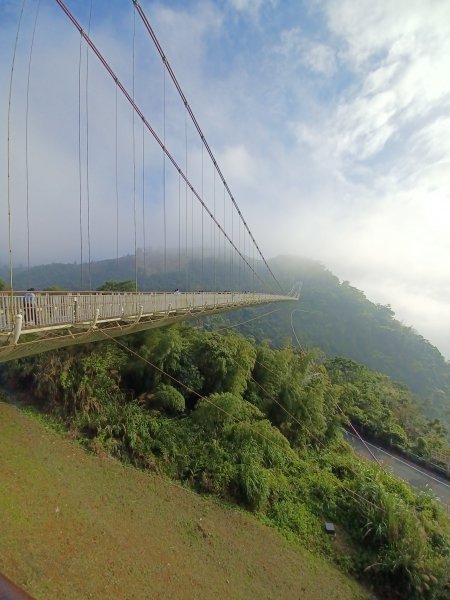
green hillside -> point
(261, 428)
(338, 319)
(77, 526)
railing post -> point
(94, 322)
(18, 321)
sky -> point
(330, 120)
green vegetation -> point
(259, 427)
(77, 526)
(339, 319)
(117, 286)
(387, 412)
(335, 317)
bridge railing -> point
(53, 309)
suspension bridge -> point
(100, 164)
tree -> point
(117, 286)
(225, 362)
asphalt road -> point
(418, 477)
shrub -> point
(170, 399)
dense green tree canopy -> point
(117, 286)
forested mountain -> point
(338, 318)
(335, 317)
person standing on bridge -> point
(30, 307)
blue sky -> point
(330, 120)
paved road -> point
(418, 477)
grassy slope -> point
(74, 525)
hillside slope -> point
(74, 525)
(340, 320)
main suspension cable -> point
(200, 132)
(149, 127)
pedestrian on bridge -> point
(30, 307)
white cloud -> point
(251, 7)
(295, 46)
(401, 52)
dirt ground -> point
(77, 526)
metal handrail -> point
(56, 309)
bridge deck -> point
(52, 320)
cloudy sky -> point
(330, 120)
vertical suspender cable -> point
(245, 266)
(186, 202)
(239, 260)
(164, 168)
(192, 228)
(224, 227)
(142, 116)
(26, 140)
(80, 190)
(179, 222)
(214, 229)
(117, 186)
(203, 214)
(232, 282)
(197, 126)
(253, 264)
(143, 199)
(87, 155)
(134, 165)
(9, 153)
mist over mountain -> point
(331, 315)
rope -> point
(186, 387)
(245, 322)
(293, 331)
(26, 140)
(225, 412)
(8, 149)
